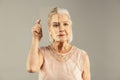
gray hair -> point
(61, 11)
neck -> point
(61, 47)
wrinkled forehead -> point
(60, 17)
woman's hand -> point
(37, 30)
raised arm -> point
(35, 58)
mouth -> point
(61, 35)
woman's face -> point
(60, 27)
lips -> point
(61, 35)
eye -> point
(65, 24)
(56, 25)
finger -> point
(38, 21)
(41, 33)
(41, 30)
(35, 30)
(35, 33)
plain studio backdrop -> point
(96, 29)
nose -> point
(61, 28)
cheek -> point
(68, 31)
(54, 32)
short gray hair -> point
(61, 11)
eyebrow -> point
(55, 22)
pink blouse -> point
(59, 66)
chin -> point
(62, 40)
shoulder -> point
(81, 51)
(84, 58)
(82, 54)
(44, 49)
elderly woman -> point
(60, 60)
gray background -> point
(96, 29)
